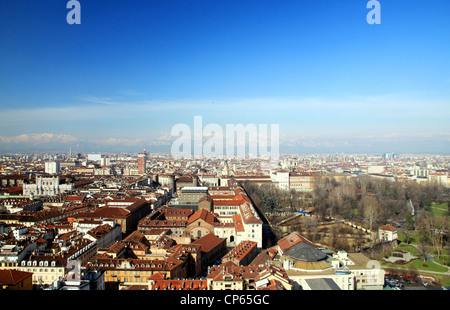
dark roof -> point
(305, 252)
(322, 284)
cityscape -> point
(148, 221)
(248, 147)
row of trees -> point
(269, 198)
(367, 201)
(371, 201)
(434, 231)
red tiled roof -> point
(203, 215)
(13, 277)
(105, 212)
(388, 227)
(238, 223)
(292, 239)
(208, 242)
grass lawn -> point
(427, 266)
(408, 248)
(443, 280)
(420, 265)
(414, 237)
(444, 260)
(440, 209)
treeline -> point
(363, 199)
(373, 201)
(269, 198)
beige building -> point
(229, 276)
(387, 233)
(301, 182)
(45, 268)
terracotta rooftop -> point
(208, 242)
(388, 227)
(203, 215)
(13, 277)
(290, 240)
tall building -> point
(52, 167)
(142, 162)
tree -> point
(311, 226)
(409, 221)
(371, 209)
(422, 246)
(270, 201)
(435, 228)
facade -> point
(226, 209)
(280, 179)
(226, 231)
(118, 272)
(440, 178)
(248, 225)
(165, 219)
(229, 276)
(46, 269)
(387, 233)
(301, 182)
(46, 186)
(142, 163)
(158, 282)
(200, 224)
(52, 167)
(209, 180)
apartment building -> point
(229, 276)
(127, 272)
(242, 254)
(46, 269)
(301, 182)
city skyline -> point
(121, 79)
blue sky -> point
(132, 70)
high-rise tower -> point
(142, 162)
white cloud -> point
(102, 100)
(119, 141)
(39, 138)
